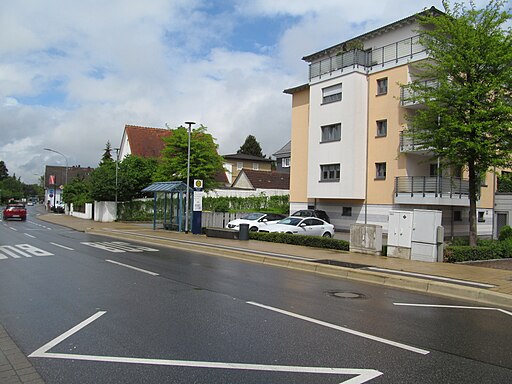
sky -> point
(74, 73)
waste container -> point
(243, 232)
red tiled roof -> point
(145, 141)
(268, 180)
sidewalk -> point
(488, 286)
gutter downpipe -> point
(366, 161)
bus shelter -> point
(169, 204)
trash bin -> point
(243, 232)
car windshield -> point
(290, 221)
(252, 216)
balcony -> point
(394, 53)
(410, 145)
(409, 98)
(432, 190)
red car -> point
(15, 211)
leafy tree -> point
(467, 116)
(77, 192)
(134, 174)
(102, 181)
(205, 162)
(4, 172)
(11, 188)
(107, 155)
(251, 147)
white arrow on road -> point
(361, 375)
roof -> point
(146, 141)
(265, 179)
(60, 173)
(286, 150)
(296, 89)
(243, 156)
(167, 186)
(336, 48)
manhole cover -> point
(347, 295)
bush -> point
(274, 204)
(459, 253)
(505, 233)
(309, 241)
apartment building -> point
(349, 155)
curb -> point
(438, 288)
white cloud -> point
(72, 74)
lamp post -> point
(189, 123)
(65, 158)
(117, 162)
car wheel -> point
(326, 234)
(289, 233)
(253, 229)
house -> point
(142, 141)
(348, 153)
(283, 157)
(55, 177)
(148, 142)
(236, 162)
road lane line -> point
(361, 375)
(41, 351)
(26, 234)
(62, 246)
(452, 307)
(13, 229)
(343, 329)
(132, 267)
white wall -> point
(350, 152)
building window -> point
(285, 162)
(481, 218)
(457, 215)
(382, 128)
(382, 86)
(331, 132)
(239, 165)
(380, 170)
(346, 211)
(330, 172)
(435, 170)
(331, 94)
(255, 166)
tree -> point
(102, 181)
(134, 174)
(251, 147)
(77, 192)
(205, 162)
(107, 155)
(4, 172)
(466, 89)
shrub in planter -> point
(309, 241)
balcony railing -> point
(409, 144)
(408, 98)
(423, 186)
(356, 58)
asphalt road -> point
(75, 304)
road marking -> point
(361, 375)
(432, 277)
(343, 329)
(453, 307)
(118, 246)
(21, 250)
(134, 268)
(13, 229)
(62, 246)
(26, 234)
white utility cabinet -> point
(400, 234)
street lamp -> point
(65, 158)
(189, 123)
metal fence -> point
(428, 185)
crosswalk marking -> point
(21, 250)
(118, 246)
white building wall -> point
(350, 152)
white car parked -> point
(256, 220)
(311, 226)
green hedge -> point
(309, 241)
(486, 250)
(275, 204)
